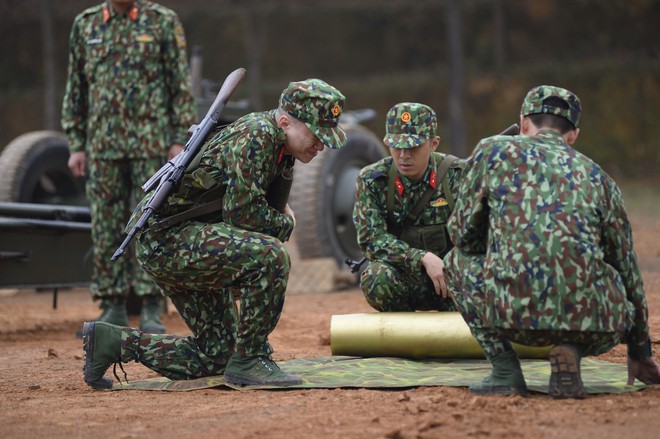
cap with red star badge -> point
(410, 124)
(319, 105)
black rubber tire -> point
(34, 170)
(323, 195)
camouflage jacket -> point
(244, 158)
(127, 93)
(556, 239)
(370, 211)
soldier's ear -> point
(435, 142)
(284, 121)
(571, 136)
(524, 125)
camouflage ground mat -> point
(390, 372)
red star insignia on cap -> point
(336, 110)
(405, 117)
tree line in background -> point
(472, 58)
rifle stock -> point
(169, 176)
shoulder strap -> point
(446, 163)
(390, 199)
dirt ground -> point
(42, 393)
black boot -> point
(150, 315)
(258, 370)
(114, 312)
(505, 379)
(565, 376)
(102, 347)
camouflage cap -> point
(534, 103)
(319, 106)
(409, 124)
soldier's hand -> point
(647, 371)
(435, 270)
(78, 164)
(289, 211)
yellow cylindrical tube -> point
(410, 335)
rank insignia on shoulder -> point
(439, 202)
(144, 38)
(180, 36)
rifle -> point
(356, 266)
(168, 177)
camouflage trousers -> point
(112, 188)
(205, 269)
(389, 289)
(464, 274)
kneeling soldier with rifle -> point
(215, 239)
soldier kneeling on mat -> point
(234, 253)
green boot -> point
(114, 312)
(565, 377)
(102, 347)
(257, 371)
(150, 316)
(505, 379)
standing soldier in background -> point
(127, 107)
(401, 212)
(544, 254)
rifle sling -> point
(202, 209)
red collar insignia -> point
(132, 13)
(281, 155)
(433, 180)
(398, 184)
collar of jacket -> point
(109, 13)
(430, 177)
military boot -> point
(114, 312)
(150, 316)
(102, 344)
(257, 371)
(565, 376)
(505, 379)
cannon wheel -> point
(34, 170)
(323, 195)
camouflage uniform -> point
(544, 251)
(394, 279)
(127, 101)
(205, 264)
